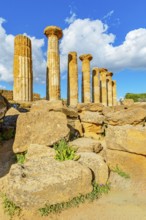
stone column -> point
(103, 86)
(72, 91)
(114, 93)
(53, 34)
(109, 88)
(86, 58)
(22, 69)
(95, 85)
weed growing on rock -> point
(97, 191)
(10, 208)
(65, 152)
(120, 172)
(20, 158)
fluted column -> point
(72, 87)
(95, 85)
(53, 62)
(22, 69)
(109, 88)
(103, 86)
(86, 58)
(114, 92)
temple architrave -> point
(109, 88)
(86, 58)
(95, 85)
(72, 86)
(22, 69)
(53, 34)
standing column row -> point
(22, 69)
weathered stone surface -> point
(86, 145)
(114, 92)
(23, 76)
(94, 128)
(127, 138)
(3, 106)
(93, 107)
(126, 116)
(55, 105)
(91, 117)
(96, 163)
(46, 105)
(36, 151)
(132, 164)
(47, 181)
(44, 128)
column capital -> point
(86, 57)
(22, 40)
(95, 69)
(109, 74)
(101, 70)
(53, 30)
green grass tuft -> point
(120, 172)
(20, 157)
(65, 152)
(10, 208)
(97, 191)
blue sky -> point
(114, 32)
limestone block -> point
(86, 145)
(91, 117)
(47, 181)
(90, 127)
(127, 138)
(40, 127)
(132, 116)
(96, 163)
(132, 164)
(93, 107)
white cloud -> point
(109, 14)
(82, 36)
(91, 36)
(6, 56)
(72, 17)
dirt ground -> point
(114, 206)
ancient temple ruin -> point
(96, 87)
(23, 77)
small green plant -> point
(120, 172)
(97, 191)
(65, 152)
(10, 208)
(20, 157)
